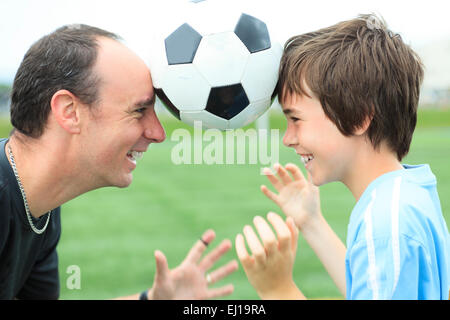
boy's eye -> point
(294, 119)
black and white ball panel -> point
(253, 33)
(227, 101)
(166, 101)
(186, 79)
(196, 79)
(182, 44)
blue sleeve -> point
(379, 272)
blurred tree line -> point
(5, 92)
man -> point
(82, 108)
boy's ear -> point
(65, 107)
(362, 129)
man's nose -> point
(153, 129)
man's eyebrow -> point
(146, 103)
(287, 111)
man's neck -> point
(46, 174)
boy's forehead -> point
(291, 102)
(294, 94)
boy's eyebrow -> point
(288, 111)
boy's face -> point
(316, 139)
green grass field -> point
(111, 233)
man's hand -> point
(188, 281)
(297, 197)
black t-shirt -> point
(28, 261)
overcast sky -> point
(22, 22)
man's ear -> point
(66, 110)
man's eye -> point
(141, 110)
(295, 119)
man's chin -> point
(125, 182)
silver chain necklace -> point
(25, 202)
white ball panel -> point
(248, 115)
(261, 74)
(158, 63)
(208, 120)
(185, 87)
(209, 17)
(208, 24)
(213, 58)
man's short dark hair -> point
(63, 59)
(358, 69)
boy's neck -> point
(367, 167)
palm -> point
(187, 281)
(297, 202)
(296, 196)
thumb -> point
(294, 231)
(162, 268)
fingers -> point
(265, 232)
(284, 178)
(199, 247)
(162, 268)
(286, 239)
(295, 171)
(282, 230)
(241, 251)
(209, 260)
(294, 232)
(273, 179)
(224, 271)
(220, 292)
(254, 244)
(269, 194)
(282, 173)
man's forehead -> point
(146, 102)
(116, 60)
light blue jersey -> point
(398, 242)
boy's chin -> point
(319, 180)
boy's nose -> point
(289, 138)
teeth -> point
(135, 155)
(306, 159)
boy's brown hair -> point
(359, 70)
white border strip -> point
(371, 248)
(395, 230)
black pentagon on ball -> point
(227, 101)
(253, 33)
(167, 103)
(182, 44)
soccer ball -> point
(225, 79)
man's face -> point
(124, 119)
(326, 152)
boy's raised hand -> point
(269, 268)
(297, 197)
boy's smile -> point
(323, 149)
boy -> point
(350, 94)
